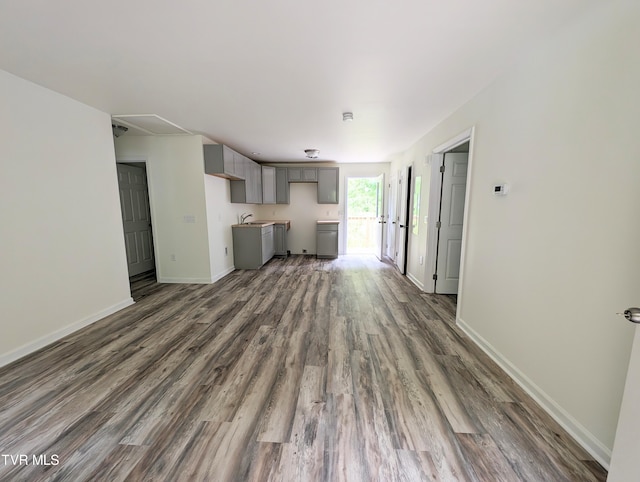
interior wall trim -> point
(43, 341)
(581, 435)
(415, 281)
(197, 281)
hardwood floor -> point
(307, 370)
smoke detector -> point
(312, 153)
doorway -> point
(363, 212)
(447, 213)
(401, 222)
(136, 217)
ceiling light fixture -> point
(118, 130)
(312, 153)
(347, 116)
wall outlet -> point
(173, 257)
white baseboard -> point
(200, 281)
(196, 281)
(222, 274)
(415, 281)
(41, 342)
(585, 438)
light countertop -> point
(263, 223)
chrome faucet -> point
(244, 217)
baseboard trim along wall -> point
(224, 273)
(193, 281)
(198, 281)
(35, 345)
(590, 443)
(415, 281)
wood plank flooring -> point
(305, 370)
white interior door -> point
(136, 218)
(392, 218)
(401, 221)
(382, 221)
(454, 185)
(625, 459)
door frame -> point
(391, 222)
(346, 209)
(143, 161)
(435, 188)
(404, 203)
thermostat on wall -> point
(500, 189)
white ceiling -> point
(274, 76)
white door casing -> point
(392, 218)
(401, 221)
(381, 219)
(136, 218)
(625, 458)
(454, 183)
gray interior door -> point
(136, 218)
(454, 185)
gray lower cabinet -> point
(282, 186)
(252, 246)
(328, 181)
(280, 239)
(327, 240)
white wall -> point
(548, 266)
(303, 209)
(221, 214)
(175, 171)
(63, 260)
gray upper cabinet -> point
(268, 185)
(221, 161)
(302, 174)
(248, 191)
(328, 182)
(282, 186)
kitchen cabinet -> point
(268, 243)
(248, 191)
(280, 240)
(302, 174)
(222, 161)
(268, 185)
(282, 186)
(328, 182)
(327, 239)
(253, 245)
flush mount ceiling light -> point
(118, 130)
(312, 153)
(347, 116)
